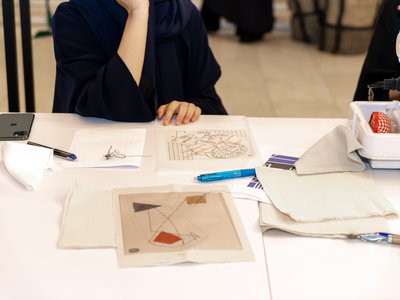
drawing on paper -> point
(164, 222)
(207, 144)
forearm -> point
(133, 42)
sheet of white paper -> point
(125, 147)
(213, 145)
(240, 190)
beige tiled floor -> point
(277, 77)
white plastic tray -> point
(382, 149)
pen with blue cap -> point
(377, 237)
(226, 175)
(58, 152)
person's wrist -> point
(141, 10)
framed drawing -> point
(173, 224)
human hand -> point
(185, 112)
(133, 5)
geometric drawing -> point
(158, 222)
(207, 144)
(167, 229)
(164, 225)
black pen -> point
(58, 152)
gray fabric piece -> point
(323, 197)
(335, 152)
(271, 218)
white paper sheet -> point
(240, 190)
(125, 147)
(214, 145)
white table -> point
(32, 267)
(315, 268)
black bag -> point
(347, 25)
(306, 19)
(337, 26)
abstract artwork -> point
(207, 144)
(171, 227)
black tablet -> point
(15, 126)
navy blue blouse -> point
(92, 79)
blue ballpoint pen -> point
(377, 237)
(226, 175)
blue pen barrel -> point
(226, 175)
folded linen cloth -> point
(335, 152)
(27, 163)
(324, 197)
(272, 218)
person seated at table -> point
(134, 60)
(381, 61)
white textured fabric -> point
(26, 163)
(323, 197)
(271, 218)
(335, 152)
(88, 220)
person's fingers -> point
(181, 111)
(170, 111)
(196, 114)
(161, 111)
(185, 112)
(191, 109)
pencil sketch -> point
(166, 229)
(207, 144)
(159, 222)
(117, 154)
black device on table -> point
(15, 126)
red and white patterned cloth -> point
(380, 122)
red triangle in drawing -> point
(166, 238)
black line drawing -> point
(208, 144)
(168, 228)
(167, 225)
(117, 154)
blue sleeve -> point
(88, 81)
(203, 70)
